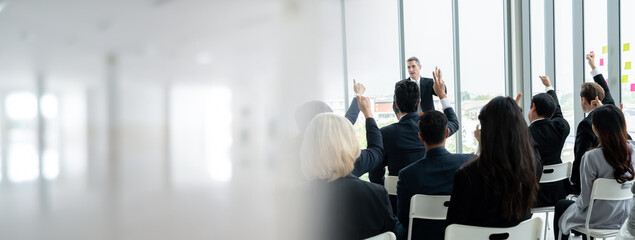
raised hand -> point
(591, 59)
(596, 102)
(519, 97)
(545, 81)
(439, 85)
(364, 106)
(358, 88)
(477, 133)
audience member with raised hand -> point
(549, 131)
(356, 209)
(612, 159)
(370, 157)
(433, 174)
(402, 145)
(585, 138)
(499, 187)
(425, 86)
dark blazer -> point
(471, 205)
(425, 87)
(402, 145)
(585, 138)
(373, 155)
(432, 175)
(550, 134)
(357, 209)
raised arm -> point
(353, 110)
(440, 90)
(599, 79)
(373, 155)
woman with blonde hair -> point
(355, 209)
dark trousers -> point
(561, 206)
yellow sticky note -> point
(605, 49)
(627, 65)
(627, 46)
(624, 78)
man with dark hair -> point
(549, 130)
(585, 138)
(402, 145)
(424, 84)
(431, 175)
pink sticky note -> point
(591, 52)
(601, 61)
(632, 87)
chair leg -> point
(546, 226)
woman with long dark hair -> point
(612, 159)
(499, 187)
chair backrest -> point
(555, 172)
(390, 183)
(528, 230)
(608, 189)
(434, 207)
(384, 236)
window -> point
(428, 36)
(482, 61)
(628, 76)
(564, 69)
(595, 35)
(537, 16)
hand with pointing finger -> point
(518, 98)
(358, 88)
(438, 86)
(596, 102)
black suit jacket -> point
(585, 138)
(373, 155)
(425, 87)
(550, 134)
(432, 175)
(356, 209)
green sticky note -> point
(627, 46)
(624, 78)
(627, 65)
(605, 49)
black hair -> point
(545, 105)
(433, 126)
(407, 96)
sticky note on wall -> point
(624, 78)
(632, 87)
(627, 65)
(605, 49)
(627, 46)
(601, 61)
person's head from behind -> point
(542, 106)
(329, 148)
(407, 96)
(610, 127)
(506, 159)
(433, 129)
(307, 111)
(588, 92)
(414, 67)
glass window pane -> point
(428, 36)
(564, 69)
(595, 35)
(628, 87)
(537, 15)
(482, 61)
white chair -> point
(527, 230)
(390, 183)
(427, 207)
(604, 189)
(552, 173)
(384, 236)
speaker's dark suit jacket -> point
(550, 134)
(432, 175)
(425, 87)
(585, 138)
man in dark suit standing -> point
(432, 175)
(585, 138)
(425, 86)
(402, 145)
(549, 130)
